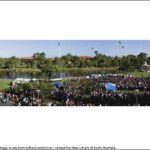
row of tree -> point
(39, 61)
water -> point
(40, 75)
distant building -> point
(31, 58)
(27, 59)
(86, 57)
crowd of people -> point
(130, 91)
(22, 98)
(127, 82)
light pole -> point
(59, 50)
(95, 51)
(137, 99)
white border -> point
(121, 127)
(74, 20)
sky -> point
(26, 48)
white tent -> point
(56, 79)
(19, 80)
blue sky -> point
(23, 48)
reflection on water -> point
(39, 75)
(12, 74)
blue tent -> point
(58, 84)
(110, 87)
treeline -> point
(40, 61)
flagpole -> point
(59, 50)
(59, 55)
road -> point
(9, 103)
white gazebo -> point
(145, 67)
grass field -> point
(21, 70)
(4, 84)
(140, 74)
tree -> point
(115, 62)
(148, 60)
(34, 64)
(40, 56)
(125, 64)
(49, 69)
(2, 63)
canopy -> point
(110, 87)
(56, 79)
(58, 84)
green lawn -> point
(140, 74)
(4, 83)
(21, 70)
